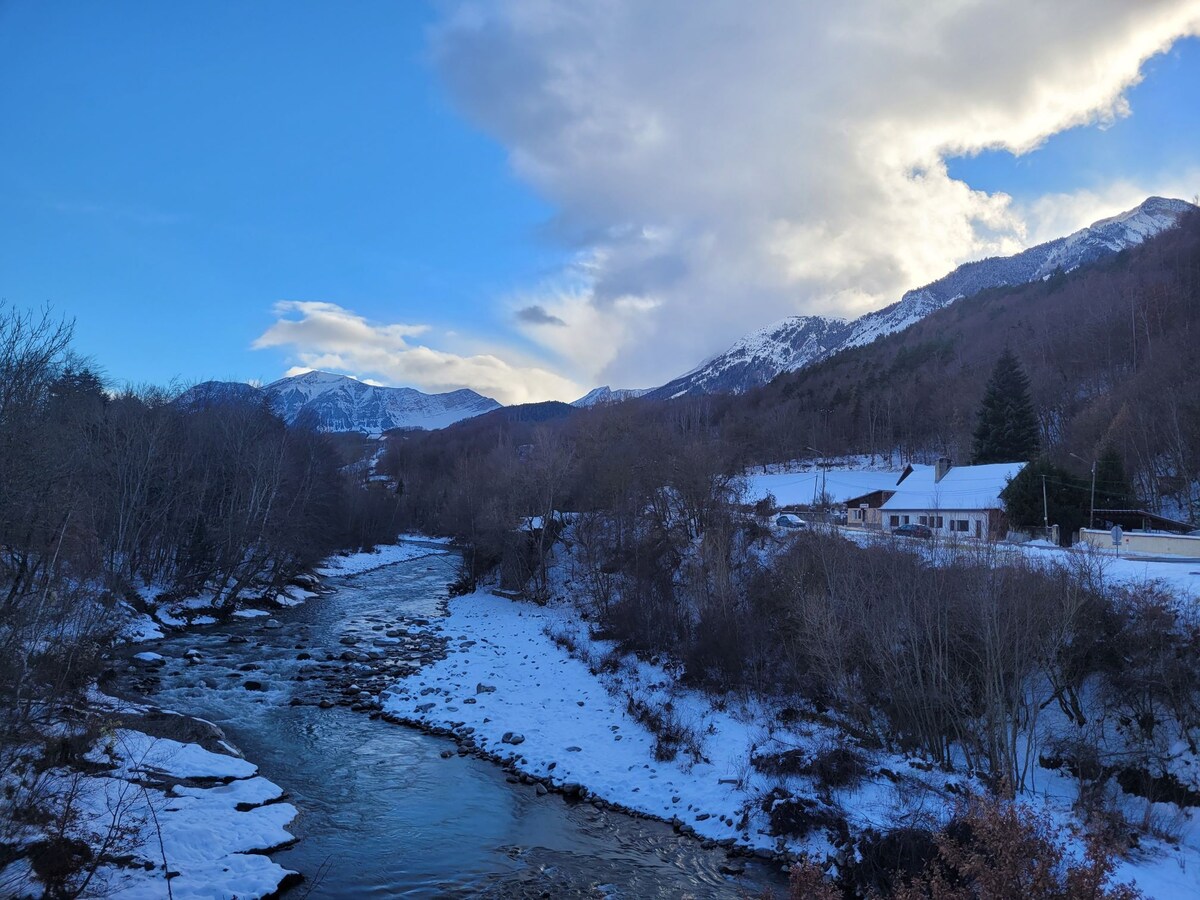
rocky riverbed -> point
(388, 809)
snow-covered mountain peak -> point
(799, 341)
(341, 403)
(605, 394)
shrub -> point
(996, 849)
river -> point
(384, 810)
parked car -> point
(912, 529)
(788, 520)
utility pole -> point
(1092, 511)
(1092, 508)
(824, 468)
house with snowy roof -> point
(954, 501)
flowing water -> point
(382, 812)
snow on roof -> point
(802, 488)
(963, 487)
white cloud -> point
(328, 337)
(1053, 215)
(726, 163)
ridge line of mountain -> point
(798, 341)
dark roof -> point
(1135, 518)
(866, 498)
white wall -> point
(977, 520)
(1150, 544)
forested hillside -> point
(1109, 350)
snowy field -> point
(214, 831)
(804, 488)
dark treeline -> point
(109, 498)
(1109, 351)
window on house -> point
(904, 520)
(939, 522)
(963, 525)
(894, 521)
(924, 520)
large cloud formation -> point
(722, 164)
(326, 336)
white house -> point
(962, 501)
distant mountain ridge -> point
(798, 341)
(605, 394)
(340, 403)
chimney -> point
(941, 468)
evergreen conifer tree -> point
(1008, 429)
(1113, 490)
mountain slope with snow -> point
(340, 403)
(601, 395)
(798, 341)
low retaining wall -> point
(1150, 544)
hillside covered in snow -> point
(339, 403)
(798, 341)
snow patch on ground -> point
(384, 555)
(509, 673)
(136, 754)
(212, 838)
(140, 627)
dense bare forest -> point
(109, 501)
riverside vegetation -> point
(109, 503)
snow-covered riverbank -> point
(167, 793)
(157, 811)
(527, 684)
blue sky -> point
(1163, 133)
(166, 176)
(170, 172)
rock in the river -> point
(482, 688)
(254, 685)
